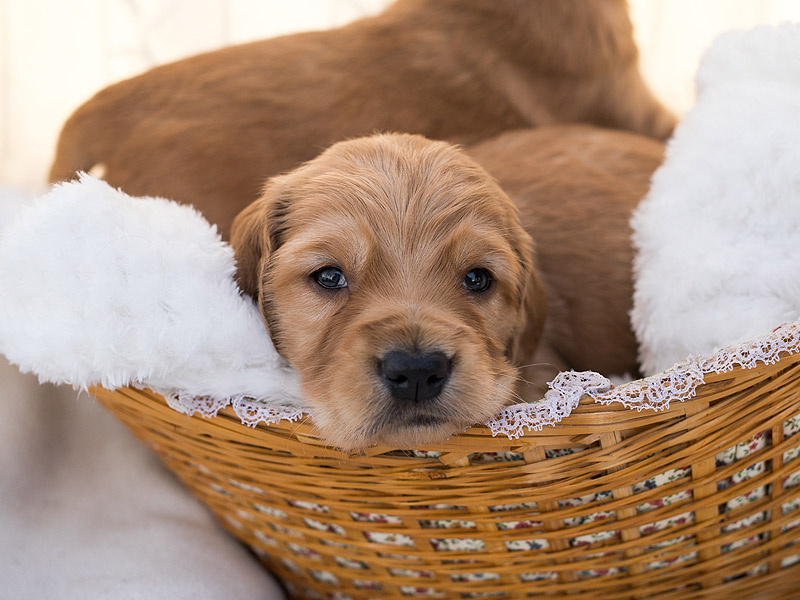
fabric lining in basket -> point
(699, 500)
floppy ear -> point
(255, 234)
(533, 306)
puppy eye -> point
(477, 280)
(331, 278)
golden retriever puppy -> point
(398, 279)
(394, 275)
(209, 129)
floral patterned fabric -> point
(464, 544)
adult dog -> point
(402, 283)
(209, 129)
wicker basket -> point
(698, 501)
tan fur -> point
(405, 218)
(576, 188)
(208, 130)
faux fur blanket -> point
(98, 287)
(718, 236)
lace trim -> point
(566, 390)
(251, 412)
(655, 393)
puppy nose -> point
(415, 377)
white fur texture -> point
(97, 287)
(718, 235)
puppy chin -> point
(408, 435)
(418, 433)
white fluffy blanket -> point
(718, 236)
(99, 287)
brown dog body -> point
(576, 188)
(210, 129)
(397, 245)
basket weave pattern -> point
(699, 501)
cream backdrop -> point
(54, 54)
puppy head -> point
(393, 274)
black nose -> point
(415, 377)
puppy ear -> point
(255, 234)
(532, 310)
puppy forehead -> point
(393, 211)
(405, 197)
(400, 228)
(352, 240)
(395, 179)
(385, 207)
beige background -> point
(55, 54)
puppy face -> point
(393, 274)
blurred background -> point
(54, 55)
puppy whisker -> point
(539, 364)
